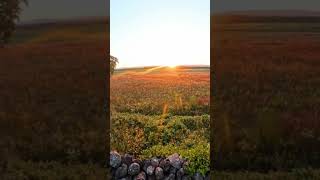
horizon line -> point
(66, 19)
(212, 12)
(151, 66)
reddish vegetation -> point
(165, 80)
(156, 89)
(266, 94)
(52, 99)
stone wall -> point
(126, 167)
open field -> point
(295, 174)
(52, 80)
(267, 93)
(159, 111)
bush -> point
(142, 132)
(198, 155)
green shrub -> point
(198, 156)
(144, 131)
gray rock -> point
(121, 171)
(126, 178)
(137, 161)
(171, 177)
(180, 174)
(127, 159)
(175, 160)
(115, 159)
(165, 165)
(155, 162)
(150, 170)
(151, 177)
(198, 176)
(173, 170)
(141, 176)
(159, 173)
(186, 177)
(146, 164)
(134, 169)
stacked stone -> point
(171, 168)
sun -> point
(172, 65)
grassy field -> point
(295, 174)
(158, 111)
(52, 79)
(266, 102)
(266, 93)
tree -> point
(113, 63)
(9, 14)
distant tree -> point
(113, 63)
(9, 14)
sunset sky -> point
(156, 32)
(166, 32)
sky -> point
(63, 9)
(155, 33)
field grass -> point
(52, 99)
(158, 111)
(295, 174)
(267, 93)
(53, 170)
(266, 102)
(63, 31)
